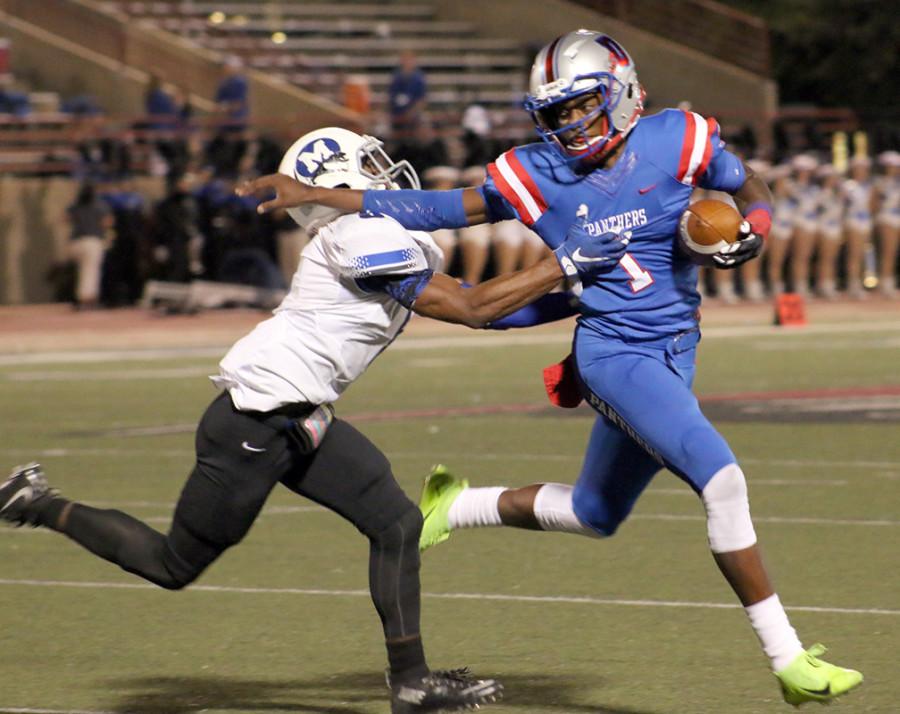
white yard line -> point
(499, 597)
(479, 339)
(486, 456)
(670, 517)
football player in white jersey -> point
(358, 281)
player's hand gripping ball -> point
(707, 228)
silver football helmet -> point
(574, 65)
(339, 158)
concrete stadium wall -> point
(669, 72)
(34, 232)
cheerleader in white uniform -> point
(830, 230)
(858, 199)
(782, 230)
(805, 192)
(887, 220)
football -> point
(706, 227)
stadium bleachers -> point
(323, 42)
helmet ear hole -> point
(630, 90)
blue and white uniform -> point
(638, 327)
(858, 205)
(831, 213)
(807, 201)
(342, 307)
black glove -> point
(746, 247)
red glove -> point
(561, 383)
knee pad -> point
(728, 522)
(554, 511)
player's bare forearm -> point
(445, 299)
(290, 193)
(753, 191)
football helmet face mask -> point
(339, 158)
(576, 66)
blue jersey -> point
(652, 293)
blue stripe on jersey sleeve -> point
(368, 264)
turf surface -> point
(642, 624)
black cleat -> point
(444, 691)
(25, 486)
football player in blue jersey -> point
(603, 169)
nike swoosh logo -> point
(817, 692)
(584, 259)
(23, 494)
(247, 446)
(642, 191)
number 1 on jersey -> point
(640, 278)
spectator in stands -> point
(887, 220)
(122, 274)
(476, 136)
(175, 239)
(407, 96)
(166, 120)
(233, 95)
(91, 222)
(12, 101)
(159, 105)
(228, 147)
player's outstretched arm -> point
(445, 299)
(418, 210)
(290, 193)
(580, 257)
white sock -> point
(476, 508)
(778, 639)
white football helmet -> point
(578, 64)
(339, 158)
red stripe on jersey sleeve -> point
(690, 136)
(712, 128)
(528, 182)
(509, 194)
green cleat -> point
(438, 494)
(810, 679)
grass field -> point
(639, 624)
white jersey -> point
(331, 325)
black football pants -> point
(240, 458)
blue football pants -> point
(648, 419)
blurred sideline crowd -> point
(835, 229)
(833, 234)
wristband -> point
(759, 216)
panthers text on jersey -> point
(652, 292)
(332, 323)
